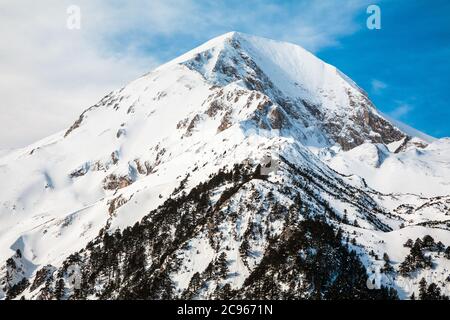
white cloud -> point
(50, 74)
(378, 86)
(320, 24)
(401, 110)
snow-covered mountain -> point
(245, 168)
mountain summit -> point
(311, 97)
(245, 168)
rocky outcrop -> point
(114, 182)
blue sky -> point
(405, 66)
(54, 73)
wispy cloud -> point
(51, 73)
(402, 109)
(318, 24)
(377, 86)
(312, 24)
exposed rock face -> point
(75, 125)
(79, 172)
(276, 119)
(116, 203)
(225, 123)
(349, 124)
(409, 142)
(114, 182)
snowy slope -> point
(422, 171)
(238, 99)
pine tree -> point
(416, 250)
(447, 252)
(423, 289)
(433, 292)
(440, 247)
(409, 243)
(195, 282)
(345, 218)
(222, 265)
(428, 262)
(406, 266)
(419, 242)
(244, 249)
(428, 242)
(226, 292)
(60, 289)
(387, 268)
(162, 288)
(46, 292)
(339, 234)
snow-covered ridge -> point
(236, 100)
(324, 104)
(416, 168)
(290, 59)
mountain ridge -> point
(225, 151)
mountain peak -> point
(307, 91)
(289, 58)
(206, 156)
